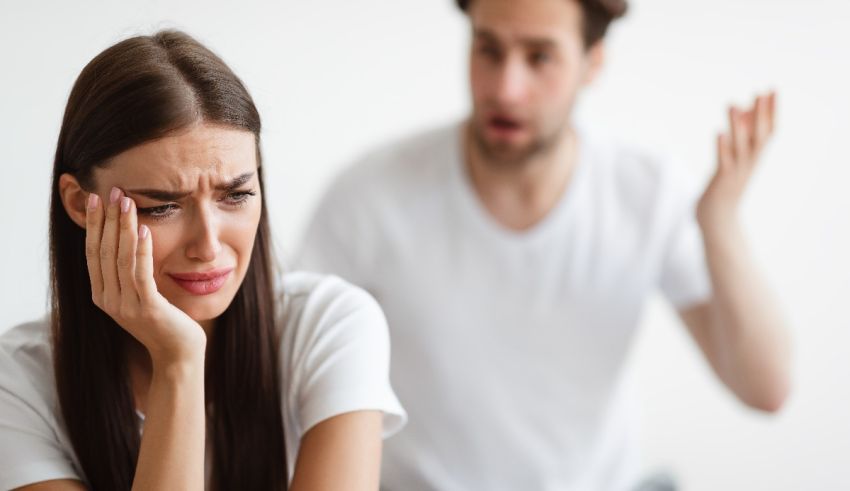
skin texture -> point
(528, 66)
(131, 254)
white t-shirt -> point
(508, 346)
(335, 359)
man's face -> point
(527, 63)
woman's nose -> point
(204, 245)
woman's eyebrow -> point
(236, 182)
(163, 195)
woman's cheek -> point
(163, 246)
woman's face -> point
(199, 193)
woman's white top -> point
(334, 359)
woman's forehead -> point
(202, 154)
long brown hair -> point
(136, 91)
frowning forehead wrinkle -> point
(167, 195)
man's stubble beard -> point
(509, 157)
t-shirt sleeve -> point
(30, 451)
(344, 357)
(685, 280)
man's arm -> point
(740, 330)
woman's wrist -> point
(176, 363)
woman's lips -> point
(203, 283)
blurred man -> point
(512, 254)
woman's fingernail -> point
(125, 204)
(143, 232)
(114, 195)
(93, 198)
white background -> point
(333, 78)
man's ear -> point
(74, 198)
(595, 61)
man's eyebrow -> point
(163, 195)
(534, 42)
(538, 43)
(485, 35)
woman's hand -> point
(120, 263)
(738, 153)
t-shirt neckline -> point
(485, 220)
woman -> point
(169, 361)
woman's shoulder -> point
(26, 356)
(335, 352)
(320, 315)
(34, 445)
(318, 308)
(312, 303)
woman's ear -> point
(73, 198)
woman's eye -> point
(158, 212)
(237, 198)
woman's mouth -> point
(202, 283)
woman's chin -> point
(203, 309)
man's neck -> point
(520, 196)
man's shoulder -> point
(631, 164)
(620, 154)
(410, 160)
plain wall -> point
(333, 78)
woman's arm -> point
(120, 264)
(342, 452)
(54, 485)
(171, 455)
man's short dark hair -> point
(598, 15)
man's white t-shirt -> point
(508, 346)
(334, 360)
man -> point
(512, 254)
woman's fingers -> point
(109, 253)
(94, 232)
(126, 261)
(145, 284)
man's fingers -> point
(762, 127)
(724, 153)
(771, 110)
(740, 135)
(94, 232)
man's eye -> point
(540, 58)
(489, 52)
